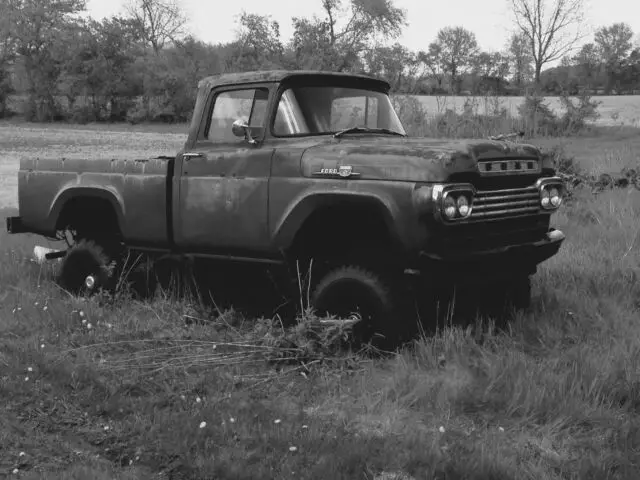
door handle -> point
(189, 155)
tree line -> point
(144, 64)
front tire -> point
(348, 291)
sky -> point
(214, 21)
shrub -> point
(538, 118)
(575, 117)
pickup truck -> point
(308, 171)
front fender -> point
(300, 209)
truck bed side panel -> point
(137, 189)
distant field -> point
(614, 110)
(95, 141)
(609, 151)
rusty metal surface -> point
(408, 159)
(223, 199)
(136, 189)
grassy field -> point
(164, 388)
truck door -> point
(222, 197)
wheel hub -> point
(90, 282)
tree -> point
(345, 32)
(397, 64)
(519, 54)
(257, 45)
(551, 27)
(587, 61)
(98, 65)
(40, 31)
(159, 21)
(453, 53)
(490, 70)
(614, 44)
(7, 57)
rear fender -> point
(103, 193)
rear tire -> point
(83, 260)
(351, 290)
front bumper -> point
(15, 225)
(501, 261)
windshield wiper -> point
(368, 130)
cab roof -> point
(282, 75)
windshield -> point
(317, 110)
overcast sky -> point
(214, 20)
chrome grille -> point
(496, 204)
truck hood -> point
(407, 159)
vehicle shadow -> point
(256, 292)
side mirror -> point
(240, 128)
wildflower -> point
(277, 421)
(21, 454)
(15, 471)
(37, 303)
(182, 397)
(29, 369)
(203, 424)
(26, 379)
(89, 326)
(106, 427)
(84, 321)
(42, 345)
(501, 429)
(81, 313)
(198, 399)
(441, 429)
(293, 449)
(232, 420)
(45, 308)
(305, 426)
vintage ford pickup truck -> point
(300, 168)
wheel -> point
(362, 296)
(86, 268)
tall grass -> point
(555, 395)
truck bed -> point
(137, 189)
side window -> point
(248, 104)
(349, 112)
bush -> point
(575, 117)
(538, 118)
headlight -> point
(544, 199)
(449, 207)
(554, 197)
(551, 190)
(463, 206)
